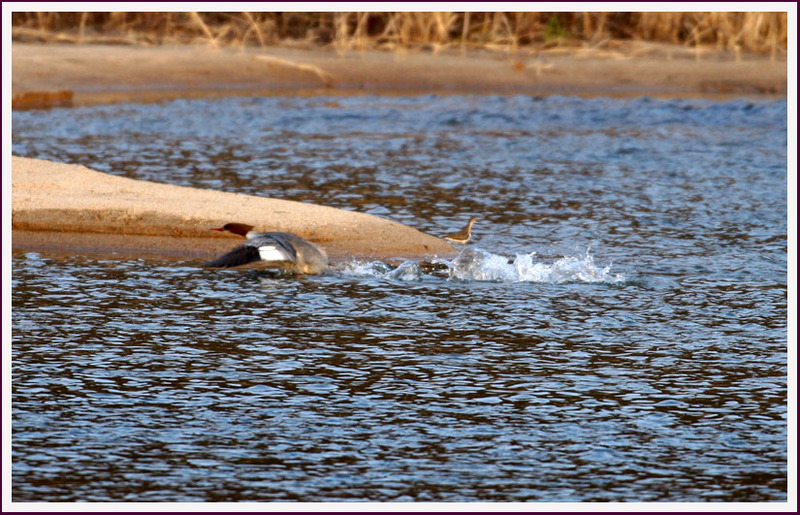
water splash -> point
(475, 264)
(406, 271)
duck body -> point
(283, 250)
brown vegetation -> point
(764, 32)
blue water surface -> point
(616, 332)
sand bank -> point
(82, 74)
(59, 206)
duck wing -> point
(276, 246)
(264, 247)
(241, 255)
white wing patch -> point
(271, 253)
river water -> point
(616, 332)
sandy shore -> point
(96, 73)
(58, 206)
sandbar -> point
(61, 207)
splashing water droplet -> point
(475, 264)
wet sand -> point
(67, 208)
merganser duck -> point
(464, 234)
(282, 250)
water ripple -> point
(525, 369)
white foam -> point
(475, 264)
(567, 269)
(407, 271)
(366, 269)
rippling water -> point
(618, 332)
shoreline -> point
(106, 214)
(78, 74)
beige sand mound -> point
(63, 206)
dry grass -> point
(764, 32)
